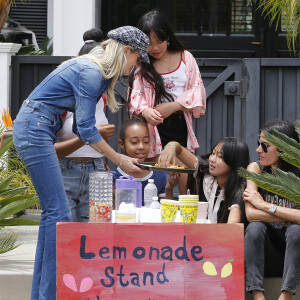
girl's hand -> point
(254, 198)
(172, 180)
(167, 156)
(106, 130)
(167, 109)
(152, 116)
(128, 164)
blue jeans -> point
(34, 135)
(272, 251)
(76, 181)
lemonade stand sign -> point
(150, 261)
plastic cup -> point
(188, 213)
(202, 211)
(168, 210)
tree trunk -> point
(4, 11)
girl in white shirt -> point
(77, 160)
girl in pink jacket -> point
(169, 91)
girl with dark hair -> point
(272, 238)
(91, 38)
(134, 142)
(219, 184)
(167, 92)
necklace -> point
(163, 66)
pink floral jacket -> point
(194, 97)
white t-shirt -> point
(175, 81)
(66, 133)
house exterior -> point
(208, 28)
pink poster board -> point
(150, 261)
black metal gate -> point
(242, 94)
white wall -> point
(67, 21)
(6, 51)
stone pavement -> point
(16, 268)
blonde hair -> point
(109, 56)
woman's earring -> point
(168, 43)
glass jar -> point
(101, 197)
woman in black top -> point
(272, 239)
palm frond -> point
(15, 206)
(287, 11)
(290, 148)
(297, 124)
(279, 184)
(8, 242)
(18, 222)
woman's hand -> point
(128, 164)
(167, 109)
(106, 130)
(254, 198)
(152, 116)
(167, 156)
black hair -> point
(128, 123)
(289, 130)
(154, 21)
(235, 153)
(95, 35)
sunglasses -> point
(263, 145)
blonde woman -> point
(74, 86)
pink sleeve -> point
(194, 96)
(138, 98)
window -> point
(204, 17)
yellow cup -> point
(168, 210)
(188, 199)
(188, 213)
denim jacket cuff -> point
(93, 140)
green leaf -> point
(13, 192)
(290, 148)
(284, 184)
(8, 200)
(16, 206)
(4, 184)
(8, 242)
(18, 222)
(7, 144)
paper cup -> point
(187, 199)
(168, 209)
(202, 210)
(188, 213)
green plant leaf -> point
(7, 144)
(7, 200)
(8, 242)
(16, 206)
(284, 184)
(290, 148)
(4, 184)
(13, 192)
(18, 222)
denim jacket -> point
(75, 86)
